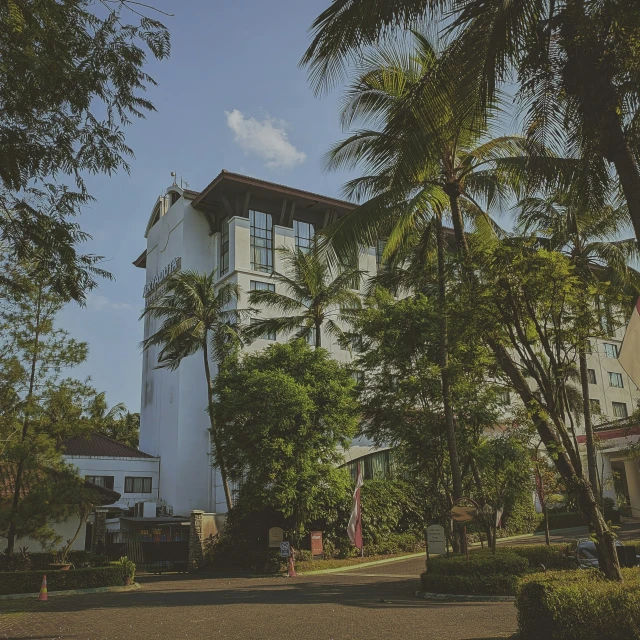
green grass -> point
(317, 565)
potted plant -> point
(128, 569)
(60, 562)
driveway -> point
(363, 605)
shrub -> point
(579, 605)
(552, 557)
(40, 561)
(484, 573)
(395, 543)
(490, 584)
(30, 581)
(479, 564)
(566, 520)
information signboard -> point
(436, 541)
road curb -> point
(73, 592)
(450, 597)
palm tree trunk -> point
(214, 430)
(11, 533)
(456, 475)
(318, 334)
(588, 426)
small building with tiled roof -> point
(99, 446)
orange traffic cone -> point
(291, 573)
(43, 589)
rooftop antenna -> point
(173, 175)
(183, 183)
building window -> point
(620, 410)
(357, 375)
(505, 397)
(101, 481)
(304, 232)
(592, 376)
(261, 241)
(137, 485)
(587, 347)
(615, 380)
(268, 335)
(380, 246)
(174, 196)
(224, 248)
(595, 406)
(610, 350)
(256, 285)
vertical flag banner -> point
(354, 528)
(629, 356)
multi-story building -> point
(234, 226)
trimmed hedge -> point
(42, 560)
(479, 564)
(484, 573)
(553, 556)
(30, 581)
(489, 585)
(579, 605)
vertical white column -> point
(633, 484)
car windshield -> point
(587, 551)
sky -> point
(231, 96)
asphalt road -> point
(363, 605)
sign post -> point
(316, 544)
(276, 536)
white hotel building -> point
(233, 226)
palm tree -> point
(197, 317)
(578, 80)
(582, 233)
(315, 296)
(415, 172)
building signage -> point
(436, 542)
(316, 544)
(463, 515)
(161, 276)
(275, 537)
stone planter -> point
(60, 566)
(128, 581)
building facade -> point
(234, 227)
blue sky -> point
(231, 96)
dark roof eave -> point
(199, 201)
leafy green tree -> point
(571, 226)
(505, 466)
(34, 353)
(416, 169)
(577, 66)
(402, 399)
(116, 422)
(71, 80)
(528, 306)
(315, 296)
(285, 414)
(195, 317)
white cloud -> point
(267, 140)
(98, 302)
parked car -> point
(583, 555)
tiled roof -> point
(7, 484)
(98, 445)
